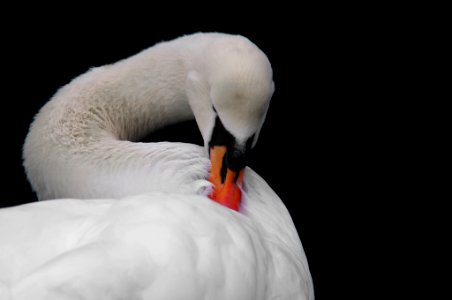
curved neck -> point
(142, 93)
(84, 133)
(81, 139)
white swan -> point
(164, 238)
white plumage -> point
(159, 237)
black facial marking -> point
(235, 157)
(220, 136)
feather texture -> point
(153, 246)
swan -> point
(160, 220)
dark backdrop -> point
(318, 149)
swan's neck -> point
(86, 128)
(140, 94)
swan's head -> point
(229, 95)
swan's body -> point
(155, 246)
(169, 241)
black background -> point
(320, 149)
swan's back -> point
(158, 246)
(154, 246)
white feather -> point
(154, 246)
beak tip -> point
(227, 197)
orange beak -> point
(226, 189)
